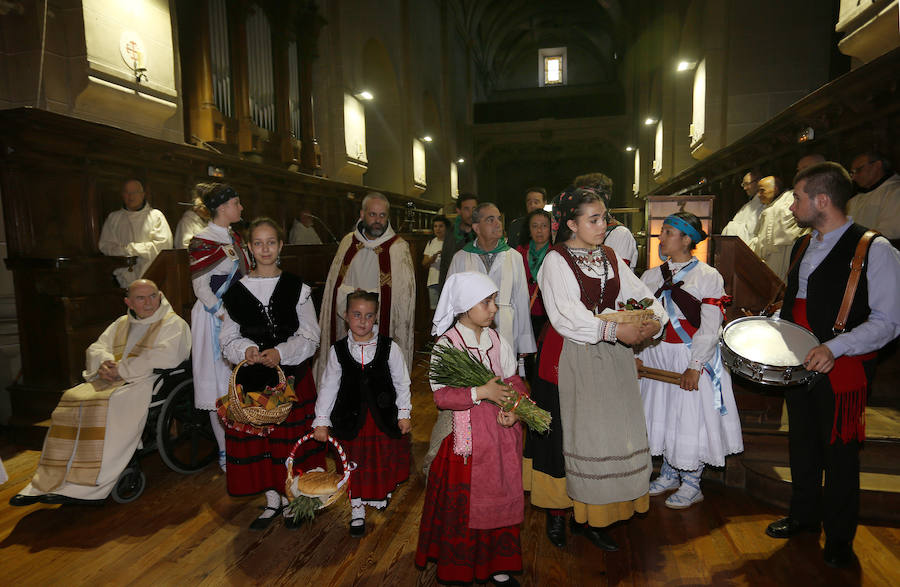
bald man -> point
(137, 230)
(777, 228)
(97, 425)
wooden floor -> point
(185, 530)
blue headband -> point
(684, 227)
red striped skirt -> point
(256, 463)
(462, 554)
(382, 462)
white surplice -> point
(744, 222)
(775, 234)
(879, 209)
(141, 233)
(190, 224)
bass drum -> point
(767, 350)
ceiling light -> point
(685, 65)
(629, 148)
(460, 160)
(650, 120)
(427, 138)
(365, 95)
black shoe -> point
(57, 499)
(21, 500)
(788, 527)
(838, 554)
(510, 582)
(598, 536)
(357, 531)
(556, 530)
(263, 523)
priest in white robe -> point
(137, 230)
(777, 229)
(877, 202)
(489, 254)
(374, 258)
(744, 223)
(192, 222)
(303, 232)
(97, 425)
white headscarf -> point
(461, 292)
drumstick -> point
(660, 375)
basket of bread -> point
(309, 491)
(630, 311)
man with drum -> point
(827, 417)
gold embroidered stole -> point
(73, 449)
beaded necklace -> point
(589, 259)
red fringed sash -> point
(848, 382)
(384, 295)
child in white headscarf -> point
(479, 461)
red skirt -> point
(462, 554)
(256, 463)
(382, 462)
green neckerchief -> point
(462, 237)
(472, 247)
(536, 257)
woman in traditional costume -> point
(473, 500)
(533, 251)
(218, 260)
(694, 423)
(605, 457)
(270, 321)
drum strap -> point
(856, 267)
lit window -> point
(552, 66)
(552, 70)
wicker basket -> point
(628, 316)
(293, 485)
(255, 415)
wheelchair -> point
(180, 433)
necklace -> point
(590, 259)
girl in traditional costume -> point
(364, 398)
(218, 260)
(270, 321)
(696, 422)
(473, 501)
(605, 457)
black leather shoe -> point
(838, 554)
(598, 536)
(357, 531)
(556, 530)
(263, 523)
(788, 527)
(21, 500)
(57, 499)
(510, 582)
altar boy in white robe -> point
(489, 254)
(97, 425)
(137, 230)
(373, 258)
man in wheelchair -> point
(97, 425)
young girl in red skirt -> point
(364, 398)
(474, 502)
(270, 321)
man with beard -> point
(826, 420)
(137, 230)
(373, 258)
(489, 254)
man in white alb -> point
(137, 230)
(743, 224)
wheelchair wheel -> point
(184, 434)
(130, 485)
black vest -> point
(825, 288)
(268, 325)
(365, 388)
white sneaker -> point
(685, 497)
(663, 484)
